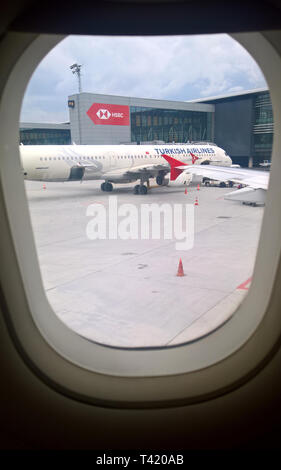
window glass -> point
(150, 281)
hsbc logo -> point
(103, 114)
(111, 114)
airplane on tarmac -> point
(256, 182)
(117, 163)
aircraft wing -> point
(83, 164)
(256, 182)
(88, 164)
(253, 178)
(145, 171)
(148, 169)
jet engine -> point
(183, 179)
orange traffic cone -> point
(180, 272)
(198, 187)
(196, 202)
(185, 191)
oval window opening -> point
(136, 155)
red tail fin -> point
(175, 172)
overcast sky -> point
(175, 68)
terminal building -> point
(106, 119)
(44, 134)
(244, 125)
(241, 123)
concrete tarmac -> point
(126, 293)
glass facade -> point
(169, 125)
(45, 136)
(263, 127)
(263, 109)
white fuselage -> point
(108, 162)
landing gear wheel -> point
(102, 186)
(137, 189)
(159, 180)
(143, 189)
(222, 184)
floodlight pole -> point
(76, 70)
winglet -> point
(175, 172)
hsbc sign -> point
(109, 114)
(103, 114)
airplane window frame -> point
(37, 328)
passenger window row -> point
(97, 158)
(71, 158)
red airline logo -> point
(194, 158)
(109, 114)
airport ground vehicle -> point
(221, 184)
